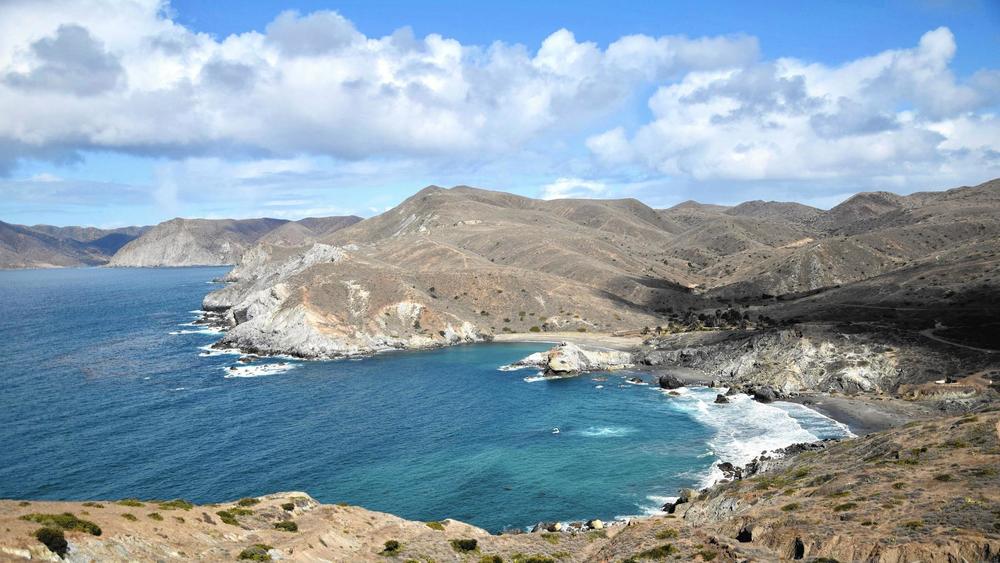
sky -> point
(118, 112)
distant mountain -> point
(45, 246)
(213, 242)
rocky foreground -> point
(929, 491)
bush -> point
(256, 552)
(286, 526)
(288, 506)
(87, 504)
(792, 506)
(551, 538)
(64, 521)
(391, 547)
(491, 559)
(707, 555)
(228, 517)
(130, 502)
(464, 545)
(155, 516)
(247, 501)
(535, 329)
(661, 552)
(177, 503)
(54, 539)
(845, 506)
(435, 526)
(666, 534)
(129, 517)
(944, 477)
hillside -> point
(45, 246)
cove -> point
(108, 394)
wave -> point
(745, 429)
(606, 431)
(258, 370)
(206, 330)
(207, 350)
(512, 367)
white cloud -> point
(112, 75)
(791, 120)
(564, 188)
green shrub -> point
(25, 503)
(535, 329)
(899, 485)
(54, 539)
(661, 552)
(790, 507)
(491, 559)
(707, 555)
(391, 548)
(64, 521)
(155, 516)
(130, 517)
(130, 502)
(518, 558)
(435, 526)
(914, 524)
(256, 552)
(177, 503)
(93, 504)
(666, 534)
(551, 538)
(286, 526)
(464, 545)
(248, 501)
(288, 506)
(581, 329)
(845, 506)
(228, 517)
(944, 477)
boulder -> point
(721, 399)
(764, 395)
(734, 390)
(595, 524)
(731, 471)
(670, 381)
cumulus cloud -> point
(896, 114)
(122, 76)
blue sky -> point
(128, 113)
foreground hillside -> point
(929, 491)
(463, 265)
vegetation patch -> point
(435, 526)
(944, 477)
(491, 559)
(844, 507)
(519, 558)
(130, 517)
(247, 501)
(256, 552)
(551, 538)
(286, 526)
(790, 507)
(660, 552)
(913, 524)
(131, 502)
(54, 539)
(666, 534)
(155, 516)
(463, 545)
(707, 555)
(228, 517)
(64, 521)
(288, 506)
(176, 504)
(390, 548)
(87, 504)
(899, 485)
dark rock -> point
(798, 549)
(731, 471)
(734, 390)
(721, 399)
(745, 535)
(670, 381)
(764, 395)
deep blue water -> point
(105, 395)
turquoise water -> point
(106, 393)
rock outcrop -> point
(567, 358)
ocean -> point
(109, 392)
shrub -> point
(130, 502)
(228, 517)
(248, 501)
(286, 526)
(177, 503)
(391, 547)
(666, 534)
(491, 559)
(464, 545)
(551, 538)
(64, 521)
(898, 485)
(87, 504)
(130, 517)
(661, 552)
(518, 558)
(535, 329)
(914, 524)
(944, 477)
(54, 539)
(707, 555)
(845, 506)
(155, 516)
(581, 329)
(26, 503)
(790, 507)
(288, 506)
(256, 552)
(435, 526)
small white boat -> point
(555, 430)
